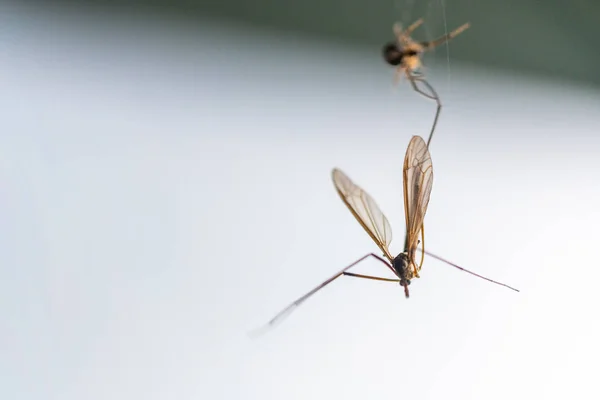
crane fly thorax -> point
(402, 267)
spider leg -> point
(398, 74)
(403, 36)
(397, 28)
(445, 38)
(413, 79)
(414, 26)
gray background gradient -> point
(166, 189)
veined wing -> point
(365, 210)
(418, 180)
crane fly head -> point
(402, 268)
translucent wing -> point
(418, 180)
(365, 210)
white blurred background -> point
(165, 189)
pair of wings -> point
(418, 180)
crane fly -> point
(418, 180)
(405, 54)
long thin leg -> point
(445, 38)
(376, 278)
(403, 36)
(414, 26)
(286, 311)
(469, 272)
(433, 96)
(398, 31)
(398, 74)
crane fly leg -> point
(286, 311)
(469, 272)
(376, 278)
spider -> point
(405, 54)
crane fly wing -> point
(418, 180)
(365, 210)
